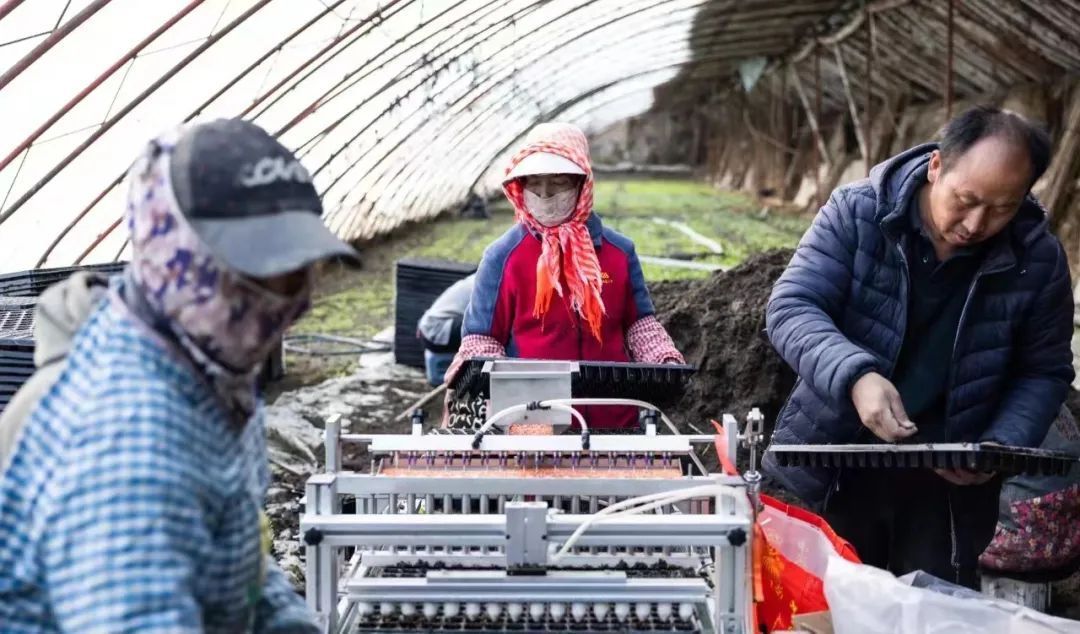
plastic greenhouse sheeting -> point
(400, 108)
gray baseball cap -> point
(250, 200)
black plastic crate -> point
(17, 317)
(418, 282)
(16, 365)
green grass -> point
(361, 303)
(464, 240)
(361, 310)
(731, 218)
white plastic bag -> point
(868, 600)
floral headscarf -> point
(568, 251)
(225, 322)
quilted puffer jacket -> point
(840, 311)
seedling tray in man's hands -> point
(980, 457)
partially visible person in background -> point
(59, 313)
(475, 208)
(440, 328)
(133, 498)
(559, 285)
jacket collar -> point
(596, 229)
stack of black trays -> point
(656, 384)
(16, 345)
(33, 283)
(418, 282)
(18, 297)
(29, 285)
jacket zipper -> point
(580, 350)
(905, 290)
(956, 339)
(952, 370)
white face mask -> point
(553, 210)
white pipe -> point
(616, 401)
(514, 409)
(681, 264)
(648, 503)
(686, 230)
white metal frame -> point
(395, 522)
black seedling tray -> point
(654, 383)
(418, 282)
(32, 283)
(969, 456)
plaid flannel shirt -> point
(130, 505)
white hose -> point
(647, 503)
(616, 401)
(486, 427)
(585, 401)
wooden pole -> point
(422, 401)
(869, 90)
(1061, 177)
(949, 63)
(860, 136)
(817, 115)
(810, 116)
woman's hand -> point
(650, 343)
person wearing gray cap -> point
(133, 497)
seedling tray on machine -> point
(654, 383)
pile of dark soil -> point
(719, 326)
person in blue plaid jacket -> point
(132, 501)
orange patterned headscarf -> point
(568, 253)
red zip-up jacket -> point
(502, 308)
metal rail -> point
(123, 112)
(52, 40)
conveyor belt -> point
(418, 282)
(633, 571)
(398, 623)
(16, 365)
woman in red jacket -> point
(559, 285)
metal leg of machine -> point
(423, 571)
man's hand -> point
(880, 408)
(963, 477)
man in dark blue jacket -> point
(928, 303)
